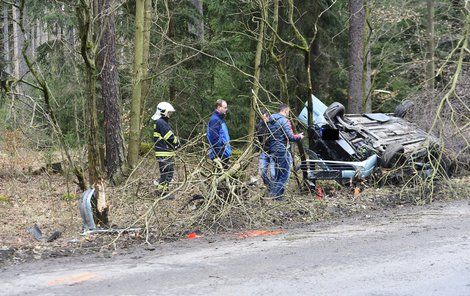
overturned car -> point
(354, 146)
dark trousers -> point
(166, 165)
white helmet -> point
(162, 109)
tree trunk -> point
(38, 33)
(366, 70)
(356, 55)
(257, 72)
(33, 40)
(305, 49)
(106, 60)
(16, 43)
(172, 57)
(134, 130)
(279, 58)
(197, 25)
(87, 50)
(145, 56)
(430, 66)
(367, 83)
(18, 37)
(47, 35)
(6, 39)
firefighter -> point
(166, 143)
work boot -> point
(162, 187)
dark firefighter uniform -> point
(165, 144)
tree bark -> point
(6, 39)
(134, 130)
(367, 82)
(257, 71)
(106, 61)
(366, 71)
(33, 40)
(16, 42)
(87, 50)
(38, 33)
(430, 65)
(279, 58)
(172, 90)
(356, 55)
(145, 56)
(197, 25)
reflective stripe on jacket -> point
(165, 139)
(218, 137)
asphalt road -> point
(418, 251)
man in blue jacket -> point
(281, 134)
(217, 134)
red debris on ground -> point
(319, 193)
(192, 235)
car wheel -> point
(403, 108)
(392, 155)
(334, 110)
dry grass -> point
(51, 202)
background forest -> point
(88, 74)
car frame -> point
(351, 146)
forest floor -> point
(30, 196)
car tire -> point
(334, 110)
(392, 155)
(403, 108)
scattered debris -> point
(73, 241)
(319, 193)
(86, 210)
(111, 230)
(55, 235)
(6, 252)
(193, 234)
(357, 192)
(35, 232)
(254, 181)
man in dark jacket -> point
(217, 134)
(266, 163)
(165, 144)
(281, 134)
